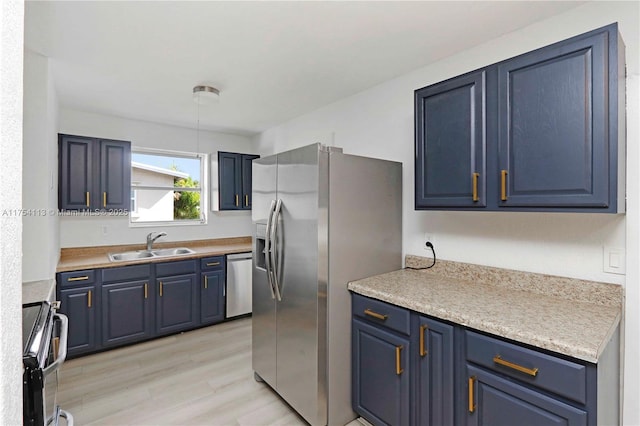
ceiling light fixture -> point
(205, 95)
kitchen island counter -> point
(568, 316)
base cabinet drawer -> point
(559, 376)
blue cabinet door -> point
(212, 297)
(553, 125)
(80, 306)
(230, 180)
(76, 172)
(126, 312)
(434, 391)
(450, 143)
(497, 401)
(176, 303)
(115, 175)
(381, 375)
(247, 161)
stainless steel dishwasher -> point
(238, 284)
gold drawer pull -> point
(146, 290)
(375, 314)
(89, 299)
(503, 185)
(82, 278)
(475, 186)
(423, 349)
(213, 264)
(530, 371)
(237, 200)
(87, 198)
(399, 369)
(472, 406)
(206, 283)
(104, 199)
(160, 288)
(246, 200)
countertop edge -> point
(77, 258)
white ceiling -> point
(271, 61)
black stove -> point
(44, 340)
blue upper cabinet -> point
(450, 143)
(554, 121)
(95, 174)
(234, 179)
(115, 174)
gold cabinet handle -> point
(246, 200)
(475, 186)
(206, 283)
(146, 290)
(399, 369)
(104, 199)
(423, 349)
(237, 200)
(89, 299)
(530, 371)
(375, 315)
(472, 406)
(160, 288)
(82, 278)
(503, 185)
(213, 264)
(87, 198)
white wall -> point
(11, 52)
(379, 123)
(88, 231)
(40, 225)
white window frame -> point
(204, 193)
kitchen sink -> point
(148, 254)
(172, 251)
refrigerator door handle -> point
(274, 247)
(268, 244)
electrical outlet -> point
(613, 260)
(428, 237)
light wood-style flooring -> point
(200, 377)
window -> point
(166, 188)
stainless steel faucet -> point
(151, 238)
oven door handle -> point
(62, 351)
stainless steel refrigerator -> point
(321, 218)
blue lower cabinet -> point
(126, 312)
(381, 374)
(434, 390)
(176, 303)
(212, 297)
(80, 306)
(498, 401)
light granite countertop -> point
(569, 316)
(37, 291)
(73, 259)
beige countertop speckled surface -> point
(568, 316)
(73, 259)
(37, 291)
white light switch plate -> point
(613, 260)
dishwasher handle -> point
(238, 256)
